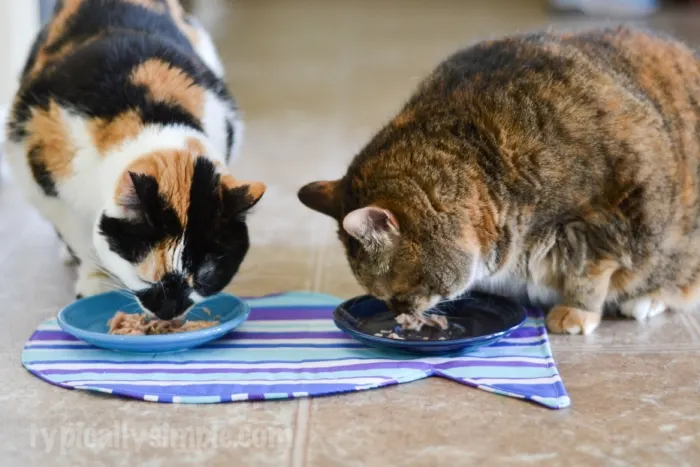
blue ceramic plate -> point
(87, 319)
(474, 321)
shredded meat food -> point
(131, 324)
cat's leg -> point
(91, 281)
(65, 252)
(581, 308)
(642, 308)
(77, 235)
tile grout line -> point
(630, 351)
(302, 424)
(639, 346)
(692, 324)
(301, 433)
(315, 259)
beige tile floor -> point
(315, 79)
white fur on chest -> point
(517, 288)
(510, 282)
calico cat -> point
(120, 135)
(560, 169)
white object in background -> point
(19, 23)
(617, 8)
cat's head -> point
(175, 230)
(399, 247)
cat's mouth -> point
(167, 299)
(192, 299)
(415, 306)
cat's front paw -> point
(92, 283)
(642, 308)
(568, 320)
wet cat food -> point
(132, 324)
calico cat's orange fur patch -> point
(255, 189)
(197, 148)
(43, 57)
(49, 136)
(173, 169)
(56, 28)
(157, 263)
(106, 134)
(168, 84)
(59, 23)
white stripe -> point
(519, 381)
(287, 365)
(58, 342)
(291, 364)
(287, 324)
(263, 382)
(150, 398)
(522, 340)
(106, 391)
(239, 397)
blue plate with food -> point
(467, 323)
(114, 320)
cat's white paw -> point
(91, 282)
(642, 308)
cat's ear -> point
(322, 197)
(372, 226)
(135, 191)
(243, 194)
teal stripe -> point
(276, 395)
(242, 355)
(533, 323)
(557, 402)
(256, 355)
(295, 299)
(165, 376)
(200, 399)
(500, 372)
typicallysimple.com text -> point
(121, 435)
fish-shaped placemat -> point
(290, 347)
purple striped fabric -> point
(290, 348)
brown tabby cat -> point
(559, 169)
